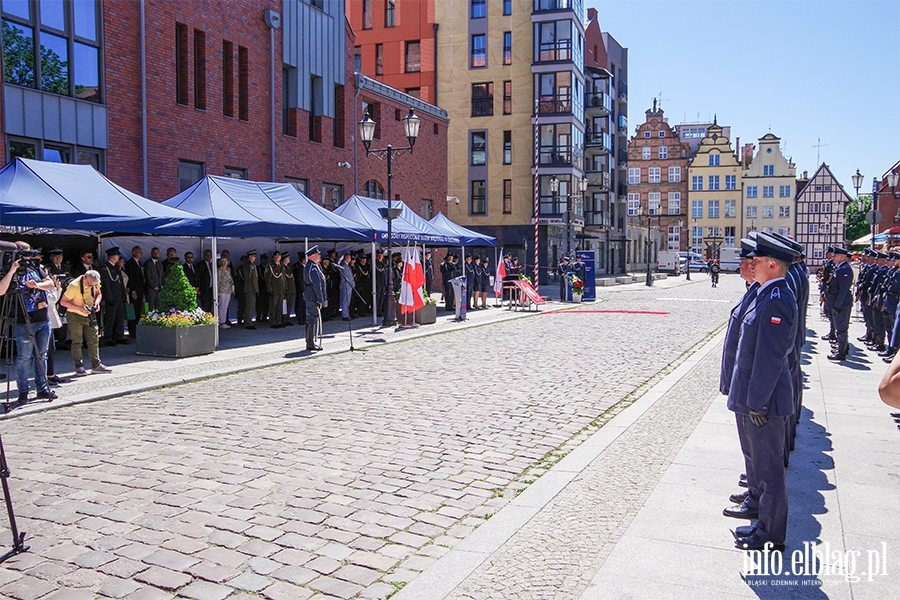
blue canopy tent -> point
(35, 193)
(240, 208)
(467, 237)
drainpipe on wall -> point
(435, 27)
(357, 80)
(145, 182)
(273, 21)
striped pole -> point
(537, 191)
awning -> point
(369, 215)
(467, 236)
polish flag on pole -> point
(499, 277)
(412, 297)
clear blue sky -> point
(804, 68)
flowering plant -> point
(178, 318)
(577, 285)
(429, 299)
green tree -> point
(19, 67)
(176, 292)
(855, 225)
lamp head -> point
(892, 179)
(857, 180)
(367, 130)
(411, 123)
(554, 184)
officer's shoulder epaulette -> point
(776, 293)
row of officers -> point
(479, 274)
(878, 294)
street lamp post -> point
(411, 124)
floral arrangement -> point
(577, 285)
(178, 318)
(429, 299)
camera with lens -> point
(28, 259)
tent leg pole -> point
(374, 290)
(215, 290)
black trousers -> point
(114, 320)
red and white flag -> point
(412, 296)
(499, 277)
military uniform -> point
(316, 297)
(262, 296)
(250, 277)
(290, 290)
(113, 285)
(275, 285)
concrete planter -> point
(176, 342)
(426, 315)
(577, 297)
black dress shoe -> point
(838, 356)
(863, 339)
(314, 348)
(744, 531)
(739, 498)
(887, 352)
(739, 511)
(742, 481)
(828, 337)
(753, 542)
(23, 397)
(896, 415)
(877, 348)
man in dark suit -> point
(205, 281)
(153, 276)
(300, 283)
(762, 396)
(113, 286)
(842, 302)
(192, 273)
(136, 287)
(85, 264)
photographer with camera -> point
(82, 301)
(31, 329)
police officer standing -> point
(842, 302)
(348, 283)
(563, 270)
(446, 276)
(300, 283)
(316, 297)
(428, 266)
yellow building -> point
(769, 189)
(714, 195)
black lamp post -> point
(367, 132)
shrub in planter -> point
(177, 327)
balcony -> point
(555, 156)
(597, 219)
(555, 51)
(598, 103)
(561, 103)
(598, 181)
(623, 122)
(623, 157)
(599, 140)
(550, 5)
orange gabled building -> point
(395, 43)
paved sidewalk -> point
(635, 511)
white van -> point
(667, 262)
(730, 260)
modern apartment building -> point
(657, 187)
(249, 89)
(769, 189)
(715, 194)
(821, 207)
(692, 133)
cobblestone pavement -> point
(342, 476)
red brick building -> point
(888, 201)
(230, 88)
(657, 179)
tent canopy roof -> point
(467, 236)
(249, 208)
(408, 227)
(36, 193)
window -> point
(814, 208)
(713, 182)
(818, 252)
(768, 191)
(54, 152)
(662, 134)
(554, 41)
(199, 69)
(826, 207)
(507, 147)
(713, 210)
(634, 204)
(768, 212)
(752, 191)
(653, 175)
(479, 51)
(479, 148)
(507, 47)
(367, 14)
(697, 209)
(768, 170)
(692, 132)
(653, 199)
(332, 195)
(827, 188)
(379, 59)
(337, 131)
(235, 173)
(373, 189)
(243, 84)
(730, 237)
(389, 13)
(426, 209)
(182, 80)
(507, 97)
(696, 183)
(189, 173)
(357, 59)
(413, 64)
(645, 153)
(507, 7)
(714, 159)
(674, 203)
(482, 99)
(478, 201)
(414, 92)
(634, 174)
(479, 10)
(674, 174)
(785, 231)
(555, 91)
(731, 209)
(507, 196)
(714, 232)
(288, 100)
(784, 191)
(228, 79)
(825, 228)
(301, 185)
(784, 212)
(646, 134)
(663, 152)
(751, 212)
(818, 188)
(674, 238)
(731, 182)
(696, 239)
(813, 228)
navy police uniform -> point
(316, 297)
(839, 291)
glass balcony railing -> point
(623, 122)
(598, 100)
(561, 103)
(599, 139)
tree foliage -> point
(855, 225)
(19, 67)
(176, 292)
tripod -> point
(18, 537)
(7, 341)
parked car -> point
(697, 262)
(668, 262)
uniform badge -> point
(776, 293)
(775, 320)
